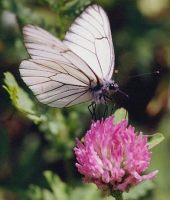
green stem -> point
(117, 194)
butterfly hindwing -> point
(51, 85)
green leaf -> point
(138, 191)
(20, 98)
(59, 190)
(81, 193)
(58, 187)
(75, 6)
(155, 139)
(37, 193)
(120, 114)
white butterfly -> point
(76, 70)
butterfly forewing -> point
(90, 38)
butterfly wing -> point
(90, 38)
(56, 75)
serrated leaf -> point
(120, 114)
(155, 139)
(20, 98)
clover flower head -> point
(113, 155)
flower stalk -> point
(117, 194)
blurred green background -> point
(36, 142)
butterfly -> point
(76, 70)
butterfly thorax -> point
(103, 92)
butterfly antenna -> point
(144, 74)
(123, 93)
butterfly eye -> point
(116, 85)
(113, 86)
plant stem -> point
(117, 194)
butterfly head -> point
(104, 92)
(113, 86)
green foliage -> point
(155, 139)
(160, 159)
(58, 190)
(139, 191)
(76, 5)
(120, 114)
(69, 8)
(61, 190)
(20, 99)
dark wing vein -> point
(64, 91)
(71, 31)
(76, 99)
(98, 60)
(37, 94)
(86, 11)
(79, 45)
(65, 96)
(36, 70)
(76, 68)
(91, 24)
(84, 28)
(97, 79)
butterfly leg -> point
(89, 108)
(92, 110)
(113, 106)
(105, 113)
(112, 109)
